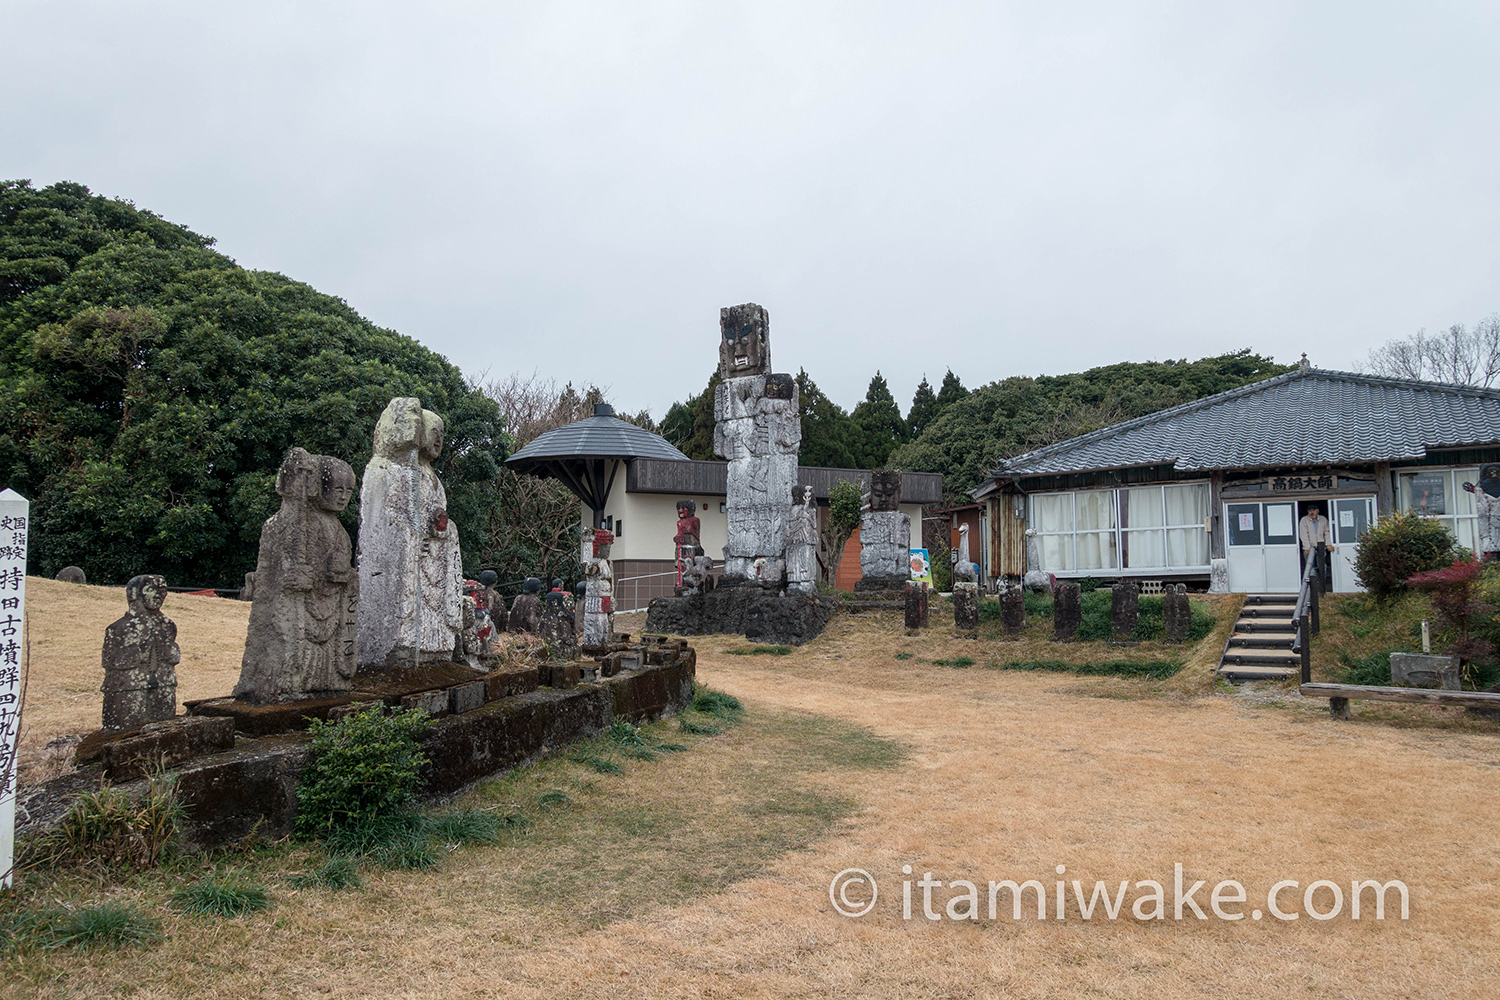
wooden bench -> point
(1338, 696)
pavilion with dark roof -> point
(1227, 477)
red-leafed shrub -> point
(1458, 606)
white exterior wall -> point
(651, 522)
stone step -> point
(1256, 673)
(1268, 657)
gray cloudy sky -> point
(1000, 188)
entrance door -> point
(1351, 519)
(1262, 548)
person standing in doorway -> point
(1315, 536)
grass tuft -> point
(412, 853)
(108, 925)
(227, 895)
(470, 826)
(1155, 669)
(601, 764)
(957, 661)
(686, 725)
(341, 872)
(716, 703)
(903, 656)
(553, 797)
(759, 651)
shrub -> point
(362, 772)
(229, 895)
(1399, 547)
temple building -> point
(1227, 478)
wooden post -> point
(1338, 708)
(15, 511)
(1305, 642)
(1315, 590)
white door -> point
(1351, 519)
(1262, 547)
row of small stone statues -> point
(1067, 610)
(314, 619)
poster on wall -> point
(1427, 494)
(921, 567)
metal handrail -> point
(1305, 614)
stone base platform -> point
(252, 787)
(757, 614)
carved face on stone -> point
(399, 427)
(336, 483)
(1489, 480)
(885, 490)
(685, 509)
(781, 386)
(744, 341)
(298, 475)
(432, 435)
(146, 594)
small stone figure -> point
(884, 535)
(71, 574)
(494, 604)
(247, 590)
(1012, 610)
(301, 637)
(757, 427)
(966, 610)
(697, 574)
(466, 643)
(916, 604)
(580, 598)
(1176, 612)
(802, 545)
(410, 566)
(1487, 506)
(1125, 609)
(556, 628)
(139, 658)
(559, 595)
(1067, 611)
(598, 606)
(526, 609)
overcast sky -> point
(999, 188)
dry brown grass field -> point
(706, 873)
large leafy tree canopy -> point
(971, 434)
(151, 387)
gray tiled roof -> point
(1305, 417)
(597, 437)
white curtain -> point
(1094, 511)
(1187, 504)
(1056, 552)
(1052, 512)
(1142, 509)
(1144, 549)
(1187, 547)
(1096, 550)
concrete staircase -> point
(1260, 647)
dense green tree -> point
(689, 426)
(827, 432)
(951, 391)
(924, 407)
(152, 387)
(1004, 419)
(878, 425)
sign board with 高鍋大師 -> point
(15, 512)
(921, 567)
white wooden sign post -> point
(15, 512)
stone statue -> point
(1036, 579)
(697, 573)
(71, 574)
(526, 609)
(557, 628)
(687, 540)
(1487, 506)
(139, 658)
(301, 638)
(1218, 576)
(598, 604)
(802, 545)
(410, 566)
(884, 535)
(758, 430)
(494, 603)
(247, 590)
